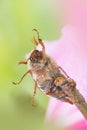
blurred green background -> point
(17, 19)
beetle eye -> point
(31, 59)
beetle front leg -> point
(39, 42)
(15, 83)
(22, 62)
(29, 71)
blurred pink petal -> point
(70, 53)
(81, 125)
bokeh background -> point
(17, 19)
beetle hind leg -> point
(67, 99)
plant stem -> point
(77, 99)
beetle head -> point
(36, 56)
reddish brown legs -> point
(22, 62)
(40, 42)
(67, 99)
(29, 71)
(35, 87)
(64, 72)
(21, 78)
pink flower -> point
(70, 53)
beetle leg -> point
(35, 41)
(43, 48)
(22, 62)
(35, 87)
(29, 71)
(64, 72)
(40, 42)
(21, 78)
(67, 99)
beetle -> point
(47, 75)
